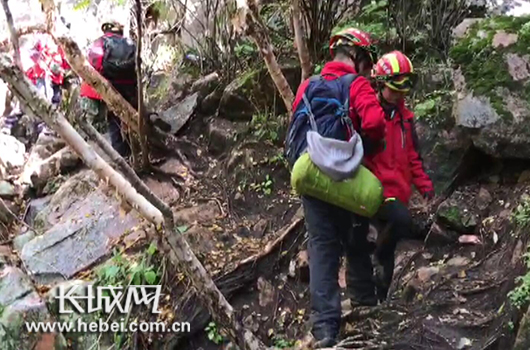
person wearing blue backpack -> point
(343, 103)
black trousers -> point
(333, 232)
(394, 223)
(57, 93)
(119, 143)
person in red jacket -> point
(36, 72)
(56, 64)
(333, 230)
(113, 56)
(399, 165)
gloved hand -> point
(429, 195)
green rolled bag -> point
(362, 194)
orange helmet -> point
(353, 37)
(396, 71)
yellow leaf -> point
(123, 213)
(270, 332)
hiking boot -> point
(325, 335)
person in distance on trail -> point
(399, 165)
(55, 63)
(333, 230)
(36, 73)
(114, 57)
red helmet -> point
(396, 71)
(353, 37)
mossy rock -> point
(454, 215)
(254, 92)
(493, 84)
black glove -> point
(429, 195)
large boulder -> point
(460, 212)
(19, 304)
(222, 134)
(39, 171)
(178, 115)
(443, 146)
(254, 92)
(492, 83)
(79, 223)
(12, 155)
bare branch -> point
(258, 32)
(141, 121)
(23, 31)
(301, 44)
(13, 33)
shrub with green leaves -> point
(213, 333)
(521, 294)
(521, 215)
(122, 270)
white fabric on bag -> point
(336, 158)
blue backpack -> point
(330, 101)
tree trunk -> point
(13, 33)
(179, 250)
(300, 40)
(258, 32)
(50, 11)
(141, 121)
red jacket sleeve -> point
(95, 54)
(366, 105)
(299, 94)
(419, 178)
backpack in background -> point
(119, 60)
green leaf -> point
(136, 279)
(152, 249)
(150, 277)
(82, 5)
(111, 272)
(211, 336)
(182, 229)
